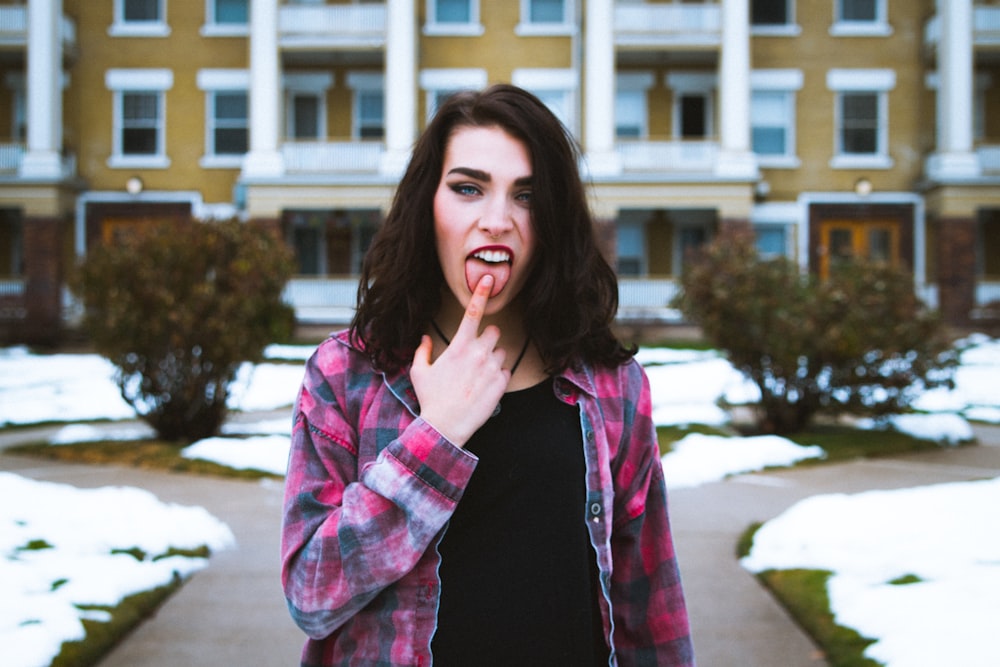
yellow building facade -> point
(835, 129)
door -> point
(843, 241)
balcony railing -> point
(332, 26)
(14, 27)
(985, 27)
(989, 160)
(668, 156)
(12, 156)
(681, 25)
(316, 157)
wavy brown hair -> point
(571, 296)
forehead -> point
(491, 149)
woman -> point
(474, 477)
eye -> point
(523, 197)
(465, 189)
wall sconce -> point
(133, 185)
(862, 187)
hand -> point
(459, 391)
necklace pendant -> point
(496, 411)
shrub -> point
(177, 308)
(860, 341)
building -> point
(835, 128)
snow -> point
(866, 540)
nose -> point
(497, 218)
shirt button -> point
(590, 436)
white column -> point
(44, 91)
(736, 158)
(400, 86)
(599, 88)
(955, 157)
(264, 158)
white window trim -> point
(437, 80)
(563, 81)
(567, 26)
(122, 28)
(881, 80)
(363, 81)
(780, 214)
(789, 29)
(878, 28)
(213, 29)
(877, 160)
(138, 80)
(474, 28)
(637, 82)
(213, 81)
(787, 81)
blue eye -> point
(465, 189)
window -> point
(772, 116)
(631, 107)
(439, 84)
(305, 105)
(139, 117)
(860, 18)
(771, 13)
(227, 125)
(771, 241)
(555, 87)
(453, 17)
(225, 18)
(546, 17)
(631, 249)
(139, 18)
(369, 105)
(692, 105)
(861, 117)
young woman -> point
(474, 476)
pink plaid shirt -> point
(371, 486)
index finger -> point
(476, 308)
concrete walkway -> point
(233, 612)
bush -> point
(177, 308)
(860, 341)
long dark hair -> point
(570, 298)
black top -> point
(518, 573)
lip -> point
(492, 248)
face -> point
(482, 214)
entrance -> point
(843, 241)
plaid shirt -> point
(371, 486)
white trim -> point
(223, 79)
(860, 79)
(307, 82)
(139, 79)
(878, 27)
(545, 79)
(453, 79)
(366, 80)
(527, 28)
(122, 28)
(635, 80)
(211, 28)
(776, 79)
(112, 197)
(692, 82)
(473, 28)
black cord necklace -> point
(517, 362)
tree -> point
(860, 341)
(178, 307)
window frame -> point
(683, 84)
(528, 28)
(213, 28)
(362, 83)
(120, 27)
(786, 82)
(637, 83)
(790, 28)
(213, 82)
(471, 28)
(877, 27)
(438, 82)
(862, 82)
(306, 84)
(122, 82)
(548, 83)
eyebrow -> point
(483, 176)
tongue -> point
(475, 269)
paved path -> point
(233, 613)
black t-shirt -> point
(518, 573)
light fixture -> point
(862, 187)
(133, 185)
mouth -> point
(489, 260)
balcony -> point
(12, 157)
(687, 157)
(14, 28)
(332, 157)
(674, 26)
(332, 27)
(985, 28)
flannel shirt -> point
(371, 486)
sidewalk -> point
(233, 612)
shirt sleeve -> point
(347, 534)
(650, 616)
